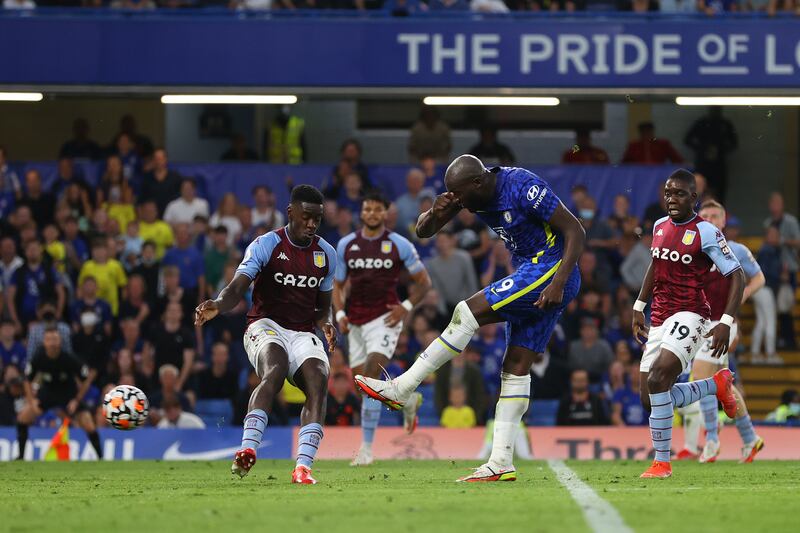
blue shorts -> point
(513, 297)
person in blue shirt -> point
(12, 352)
(90, 302)
(626, 405)
(545, 241)
(190, 262)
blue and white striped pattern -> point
(746, 431)
(708, 406)
(661, 424)
(685, 393)
(254, 425)
(308, 443)
(370, 415)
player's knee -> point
(657, 380)
(463, 320)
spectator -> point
(13, 397)
(32, 283)
(143, 145)
(173, 343)
(113, 183)
(174, 293)
(217, 256)
(132, 245)
(226, 215)
(583, 152)
(19, 4)
(580, 407)
(161, 185)
(131, 339)
(430, 135)
(134, 305)
(712, 138)
(108, 272)
(621, 219)
(9, 260)
(188, 206)
(125, 150)
(489, 149)
(200, 233)
(649, 150)
(655, 211)
(124, 366)
(264, 212)
(154, 230)
(626, 405)
(765, 329)
(239, 151)
(286, 140)
(12, 352)
(10, 186)
(789, 231)
(190, 263)
(634, 266)
(434, 174)
(459, 373)
(590, 352)
(408, 203)
(497, 264)
(472, 236)
(167, 387)
(789, 408)
(67, 176)
(88, 301)
(350, 154)
(54, 248)
(343, 407)
(596, 278)
(457, 414)
(448, 5)
(451, 270)
(599, 236)
(80, 146)
(41, 203)
(149, 269)
(217, 382)
(678, 6)
(92, 345)
(45, 319)
(175, 417)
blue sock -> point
(254, 425)
(370, 415)
(708, 406)
(745, 427)
(661, 424)
(685, 393)
(308, 443)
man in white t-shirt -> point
(264, 212)
(175, 417)
(187, 206)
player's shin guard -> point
(94, 438)
(685, 393)
(745, 427)
(708, 406)
(450, 343)
(308, 443)
(515, 392)
(254, 425)
(370, 415)
(661, 424)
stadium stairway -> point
(764, 383)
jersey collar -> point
(694, 216)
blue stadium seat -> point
(543, 413)
(215, 412)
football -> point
(125, 407)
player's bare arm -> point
(323, 319)
(639, 326)
(445, 207)
(228, 298)
(574, 239)
(339, 299)
(720, 334)
(421, 284)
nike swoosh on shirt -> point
(173, 453)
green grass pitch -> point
(390, 496)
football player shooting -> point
(292, 271)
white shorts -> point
(705, 351)
(299, 345)
(681, 334)
(373, 337)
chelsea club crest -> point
(507, 216)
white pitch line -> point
(600, 515)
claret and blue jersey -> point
(520, 214)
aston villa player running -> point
(372, 259)
(545, 241)
(292, 272)
(684, 249)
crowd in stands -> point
(402, 8)
(119, 268)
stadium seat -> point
(215, 412)
(543, 413)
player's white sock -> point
(370, 415)
(450, 343)
(685, 393)
(692, 423)
(708, 406)
(308, 440)
(661, 424)
(254, 425)
(515, 392)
